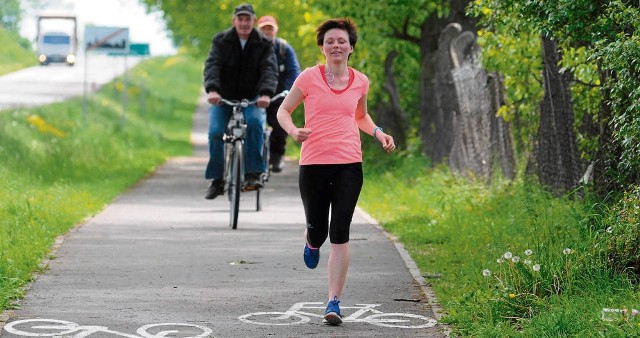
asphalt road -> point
(161, 261)
(56, 82)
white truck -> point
(57, 46)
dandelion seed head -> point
(527, 261)
(500, 260)
(508, 255)
(528, 252)
(515, 259)
(486, 272)
(609, 229)
(536, 267)
(566, 251)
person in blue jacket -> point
(288, 70)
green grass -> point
(455, 228)
(16, 52)
(59, 169)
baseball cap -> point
(244, 9)
(267, 20)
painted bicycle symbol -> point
(63, 328)
(295, 316)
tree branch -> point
(403, 34)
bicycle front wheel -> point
(235, 186)
(259, 199)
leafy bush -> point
(623, 240)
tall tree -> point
(609, 31)
(556, 154)
(392, 115)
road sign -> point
(139, 49)
(135, 49)
(106, 39)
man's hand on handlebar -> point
(213, 98)
(263, 101)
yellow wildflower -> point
(43, 126)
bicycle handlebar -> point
(245, 103)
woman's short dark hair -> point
(345, 24)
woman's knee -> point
(316, 235)
(339, 236)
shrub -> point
(623, 239)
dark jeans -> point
(278, 135)
(218, 118)
(328, 188)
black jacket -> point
(237, 73)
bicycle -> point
(62, 328)
(295, 316)
(233, 139)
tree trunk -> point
(428, 104)
(608, 151)
(446, 102)
(437, 105)
(557, 159)
(391, 116)
(501, 144)
(471, 151)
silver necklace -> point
(328, 74)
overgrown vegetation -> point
(509, 259)
(16, 52)
(58, 170)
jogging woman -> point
(335, 109)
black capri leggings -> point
(325, 187)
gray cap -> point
(244, 9)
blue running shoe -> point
(311, 257)
(332, 314)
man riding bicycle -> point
(241, 65)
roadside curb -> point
(432, 299)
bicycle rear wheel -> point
(259, 199)
(235, 184)
(266, 157)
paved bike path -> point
(161, 253)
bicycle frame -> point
(235, 132)
(233, 139)
(234, 170)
